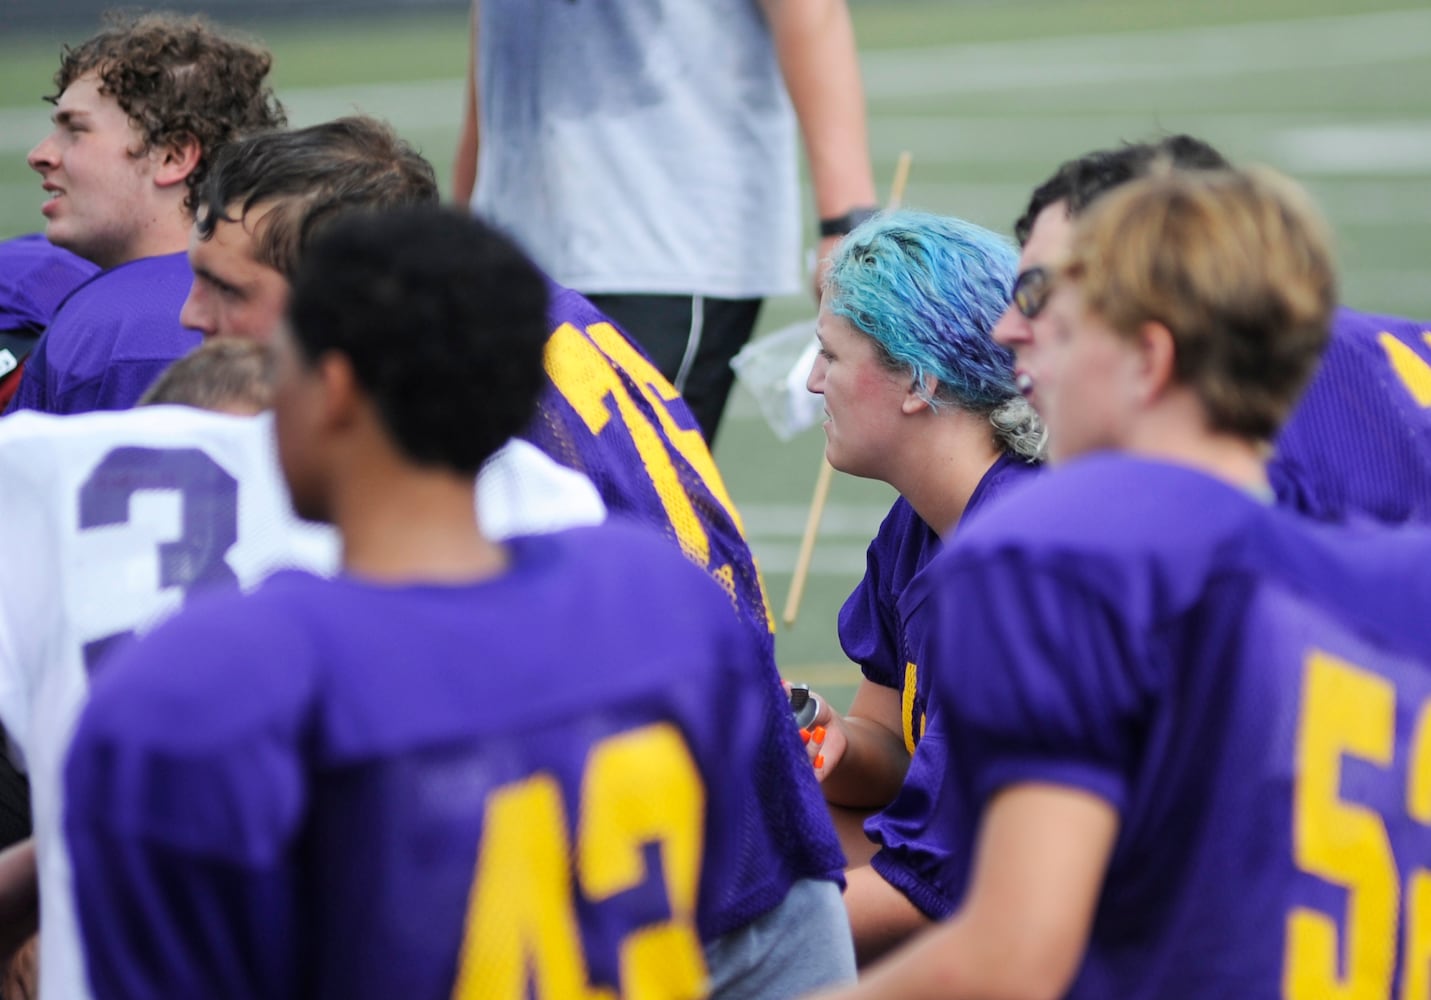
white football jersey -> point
(108, 521)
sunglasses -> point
(1031, 291)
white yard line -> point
(1142, 56)
(1068, 61)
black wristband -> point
(842, 224)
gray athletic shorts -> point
(801, 946)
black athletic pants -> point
(691, 339)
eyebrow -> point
(213, 279)
(63, 116)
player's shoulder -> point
(633, 571)
(567, 305)
(1137, 533)
(35, 277)
(210, 665)
(1112, 502)
(135, 289)
(1352, 326)
(1371, 576)
(27, 434)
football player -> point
(140, 108)
(557, 764)
(1358, 443)
(1188, 745)
(918, 395)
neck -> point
(942, 473)
(413, 524)
(1183, 438)
(165, 231)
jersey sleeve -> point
(184, 793)
(1048, 689)
(918, 832)
(868, 623)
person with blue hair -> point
(917, 394)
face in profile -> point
(863, 399)
(233, 294)
(1085, 382)
(1023, 326)
(99, 179)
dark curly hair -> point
(442, 318)
(178, 77)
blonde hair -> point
(225, 375)
(1237, 264)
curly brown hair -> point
(178, 77)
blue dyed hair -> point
(928, 289)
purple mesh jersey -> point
(1359, 442)
(1250, 691)
(609, 413)
(35, 277)
(875, 630)
(570, 777)
(110, 339)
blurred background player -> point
(1147, 735)
(431, 726)
(1358, 444)
(139, 110)
(646, 156)
(221, 376)
(917, 395)
(35, 277)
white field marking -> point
(1062, 62)
(1143, 56)
(787, 520)
(836, 559)
(1402, 147)
(821, 675)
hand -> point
(825, 738)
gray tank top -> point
(642, 146)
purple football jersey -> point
(875, 631)
(111, 339)
(1359, 442)
(35, 277)
(1249, 690)
(569, 774)
(609, 413)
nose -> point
(196, 313)
(42, 157)
(815, 381)
(1013, 328)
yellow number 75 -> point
(1348, 711)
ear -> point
(916, 399)
(177, 161)
(341, 396)
(1157, 360)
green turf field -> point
(988, 97)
